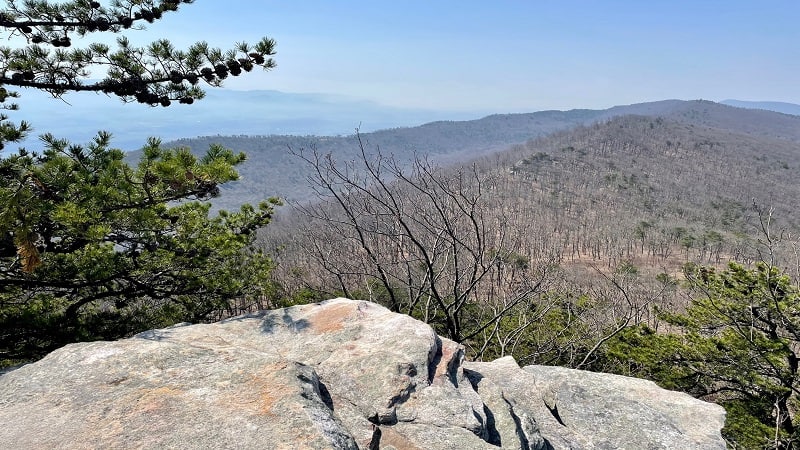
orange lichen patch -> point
(270, 395)
(260, 393)
(449, 352)
(158, 399)
(331, 317)
(104, 429)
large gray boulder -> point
(339, 374)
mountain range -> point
(272, 169)
(226, 112)
(258, 112)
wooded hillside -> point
(655, 192)
(271, 170)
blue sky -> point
(510, 56)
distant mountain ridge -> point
(262, 112)
(781, 107)
(259, 112)
(272, 170)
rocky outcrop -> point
(339, 374)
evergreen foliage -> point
(91, 247)
(157, 74)
(737, 344)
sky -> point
(510, 56)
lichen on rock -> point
(338, 374)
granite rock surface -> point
(339, 374)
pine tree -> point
(91, 247)
(738, 344)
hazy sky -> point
(511, 56)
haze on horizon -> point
(509, 56)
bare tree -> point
(423, 240)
